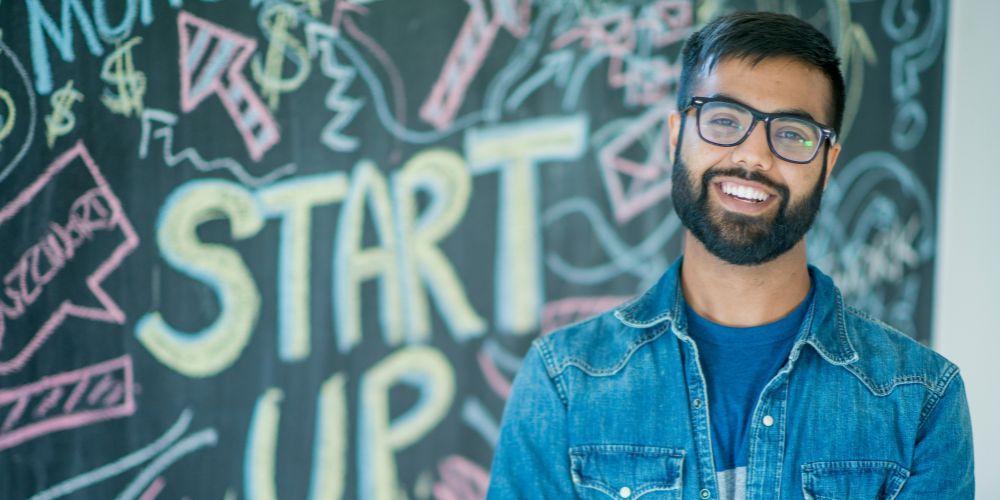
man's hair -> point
(754, 37)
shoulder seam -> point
(587, 368)
(547, 361)
(936, 385)
(944, 381)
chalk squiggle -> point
(190, 444)
(634, 260)
(190, 154)
(119, 466)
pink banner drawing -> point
(223, 60)
(59, 402)
(59, 246)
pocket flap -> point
(626, 470)
(867, 479)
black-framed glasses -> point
(791, 137)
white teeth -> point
(745, 192)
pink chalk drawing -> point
(94, 218)
(565, 311)
(59, 402)
(473, 43)
(496, 381)
(221, 55)
(633, 186)
(461, 479)
(154, 489)
(646, 76)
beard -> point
(741, 239)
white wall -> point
(967, 304)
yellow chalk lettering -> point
(442, 174)
(379, 439)
(329, 469)
(294, 200)
(215, 348)
(515, 150)
(354, 265)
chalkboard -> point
(259, 249)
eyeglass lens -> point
(727, 123)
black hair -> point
(754, 37)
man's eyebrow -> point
(787, 111)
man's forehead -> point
(772, 85)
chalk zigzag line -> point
(192, 155)
(344, 107)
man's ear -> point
(674, 122)
(831, 161)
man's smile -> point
(739, 195)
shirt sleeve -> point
(531, 459)
(943, 461)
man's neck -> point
(743, 296)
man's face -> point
(712, 184)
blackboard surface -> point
(259, 249)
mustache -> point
(742, 173)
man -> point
(741, 373)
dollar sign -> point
(7, 123)
(61, 120)
(277, 20)
(129, 85)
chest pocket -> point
(626, 471)
(853, 479)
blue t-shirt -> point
(738, 363)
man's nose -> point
(754, 151)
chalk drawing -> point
(428, 371)
(8, 56)
(275, 21)
(165, 132)
(221, 54)
(294, 201)
(62, 120)
(129, 85)
(649, 181)
(475, 414)
(97, 210)
(122, 465)
(515, 150)
(217, 346)
(461, 479)
(644, 261)
(344, 107)
(23, 424)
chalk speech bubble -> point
(67, 400)
(61, 248)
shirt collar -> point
(824, 326)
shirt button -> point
(625, 492)
(697, 403)
(768, 420)
(705, 494)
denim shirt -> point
(616, 407)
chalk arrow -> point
(556, 66)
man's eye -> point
(725, 122)
(793, 136)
